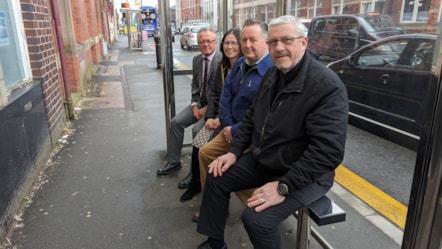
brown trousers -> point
(213, 149)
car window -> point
(379, 23)
(416, 55)
(195, 30)
(383, 55)
(334, 37)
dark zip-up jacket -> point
(298, 136)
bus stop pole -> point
(223, 17)
(167, 57)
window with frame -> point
(340, 6)
(416, 11)
(264, 13)
(372, 6)
(294, 7)
(314, 8)
(14, 70)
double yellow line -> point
(392, 209)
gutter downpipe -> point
(103, 26)
(69, 108)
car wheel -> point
(189, 47)
(182, 46)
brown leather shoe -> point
(196, 216)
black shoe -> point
(189, 194)
(169, 168)
(185, 183)
(206, 245)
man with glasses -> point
(295, 129)
(204, 70)
(240, 88)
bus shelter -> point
(423, 228)
(133, 25)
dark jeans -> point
(195, 169)
(262, 227)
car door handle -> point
(384, 78)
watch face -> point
(283, 189)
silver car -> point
(189, 37)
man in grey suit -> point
(204, 70)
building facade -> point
(48, 50)
(416, 16)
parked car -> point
(387, 83)
(332, 37)
(181, 30)
(189, 37)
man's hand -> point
(202, 111)
(265, 196)
(197, 112)
(222, 164)
(213, 123)
(227, 132)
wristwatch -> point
(283, 189)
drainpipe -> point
(67, 91)
(103, 25)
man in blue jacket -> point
(296, 130)
(240, 88)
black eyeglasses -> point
(285, 40)
(227, 43)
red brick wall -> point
(43, 56)
(193, 12)
(81, 27)
(88, 31)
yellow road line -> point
(373, 196)
(181, 65)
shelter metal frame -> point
(423, 227)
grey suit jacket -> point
(197, 79)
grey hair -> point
(300, 28)
(206, 29)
